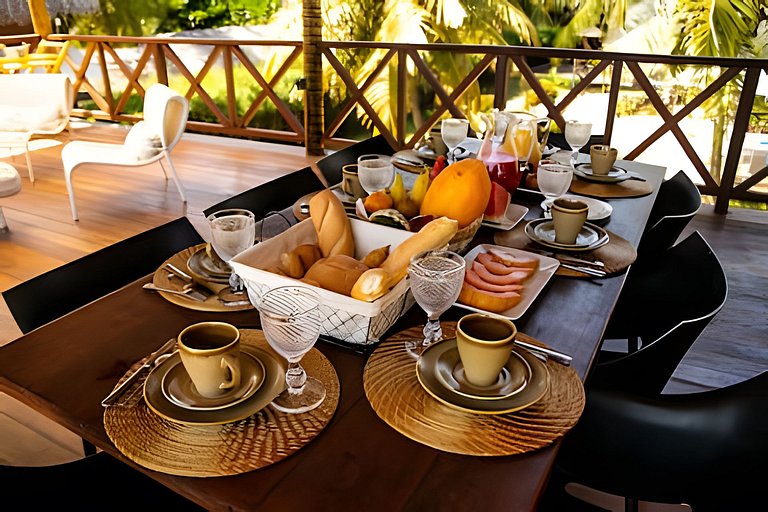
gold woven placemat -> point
(616, 255)
(205, 451)
(179, 260)
(626, 188)
(397, 397)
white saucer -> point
(178, 388)
(598, 210)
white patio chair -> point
(149, 141)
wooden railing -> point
(502, 62)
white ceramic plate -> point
(598, 210)
(514, 214)
(615, 175)
(533, 286)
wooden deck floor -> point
(116, 203)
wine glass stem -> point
(432, 331)
(295, 377)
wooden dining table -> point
(65, 368)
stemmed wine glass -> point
(290, 319)
(553, 179)
(232, 231)
(436, 277)
(453, 131)
(375, 172)
(577, 135)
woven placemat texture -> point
(206, 451)
(626, 188)
(617, 254)
(394, 392)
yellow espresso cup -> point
(210, 352)
(485, 344)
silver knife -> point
(556, 356)
(150, 362)
(191, 294)
(585, 270)
(195, 284)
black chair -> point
(331, 165)
(705, 449)
(89, 483)
(48, 296)
(666, 307)
(677, 202)
(274, 195)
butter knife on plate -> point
(149, 363)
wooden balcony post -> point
(41, 20)
(314, 122)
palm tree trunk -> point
(41, 21)
(314, 123)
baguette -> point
(334, 233)
(371, 285)
(434, 235)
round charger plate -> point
(263, 438)
(602, 237)
(532, 392)
(393, 390)
(445, 365)
(161, 278)
(178, 388)
(598, 210)
(615, 175)
(160, 404)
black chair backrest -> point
(685, 290)
(677, 202)
(48, 296)
(274, 195)
(331, 165)
(704, 449)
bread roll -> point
(337, 273)
(434, 235)
(334, 233)
(371, 285)
(376, 257)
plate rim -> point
(541, 371)
(587, 200)
(510, 222)
(567, 246)
(236, 401)
(597, 178)
(605, 237)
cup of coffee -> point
(602, 158)
(210, 352)
(350, 183)
(484, 343)
(568, 216)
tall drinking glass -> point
(524, 134)
(435, 278)
(375, 172)
(232, 231)
(577, 135)
(553, 179)
(290, 318)
(453, 131)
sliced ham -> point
(475, 280)
(514, 260)
(505, 279)
(498, 268)
(488, 301)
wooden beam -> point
(41, 20)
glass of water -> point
(577, 135)
(375, 172)
(291, 320)
(453, 131)
(553, 178)
(232, 232)
(435, 278)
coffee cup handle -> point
(234, 373)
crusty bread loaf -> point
(371, 285)
(434, 235)
(337, 273)
(334, 233)
(296, 262)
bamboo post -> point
(314, 121)
(41, 20)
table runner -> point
(206, 451)
(394, 392)
(617, 254)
